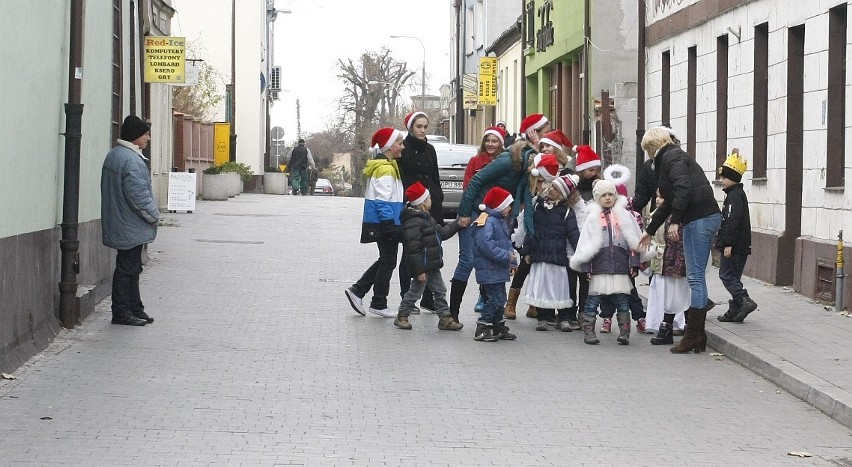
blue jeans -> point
(618, 300)
(697, 240)
(465, 265)
(492, 312)
(731, 273)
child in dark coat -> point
(494, 256)
(734, 238)
(424, 257)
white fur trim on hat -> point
(495, 133)
(550, 142)
(588, 165)
(394, 136)
(411, 118)
(622, 171)
(506, 202)
(421, 199)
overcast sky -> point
(311, 39)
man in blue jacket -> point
(129, 218)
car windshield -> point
(454, 155)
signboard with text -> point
(469, 91)
(165, 59)
(181, 191)
(487, 81)
(221, 142)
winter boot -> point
(483, 333)
(509, 313)
(747, 305)
(664, 335)
(694, 338)
(543, 315)
(589, 330)
(402, 323)
(502, 332)
(446, 323)
(457, 289)
(623, 327)
(532, 312)
(606, 326)
(731, 314)
(480, 302)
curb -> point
(810, 388)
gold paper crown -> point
(735, 162)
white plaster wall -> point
(251, 111)
(824, 211)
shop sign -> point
(487, 81)
(165, 59)
(544, 36)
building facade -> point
(768, 78)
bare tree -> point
(199, 100)
(373, 86)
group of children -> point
(597, 241)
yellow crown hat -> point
(734, 166)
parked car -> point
(452, 160)
(324, 187)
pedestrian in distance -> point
(668, 295)
(129, 218)
(383, 203)
(300, 161)
(608, 252)
(424, 258)
(691, 203)
(419, 163)
(494, 258)
(490, 147)
(509, 138)
(734, 238)
(548, 251)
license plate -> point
(451, 185)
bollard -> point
(838, 284)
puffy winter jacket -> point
(492, 249)
(382, 201)
(129, 214)
(555, 231)
(609, 241)
(735, 231)
(419, 163)
(422, 238)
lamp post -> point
(423, 72)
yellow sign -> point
(487, 81)
(165, 59)
(469, 98)
(221, 142)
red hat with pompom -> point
(384, 138)
(547, 167)
(497, 199)
(533, 122)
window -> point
(470, 26)
(691, 98)
(836, 111)
(721, 99)
(761, 96)
(666, 89)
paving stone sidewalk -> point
(796, 342)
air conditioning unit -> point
(275, 79)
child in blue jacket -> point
(494, 256)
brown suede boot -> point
(694, 338)
(509, 312)
(532, 312)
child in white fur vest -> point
(608, 252)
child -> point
(493, 258)
(607, 252)
(734, 238)
(547, 250)
(381, 223)
(422, 252)
(668, 296)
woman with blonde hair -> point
(689, 202)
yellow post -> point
(838, 283)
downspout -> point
(640, 88)
(523, 77)
(587, 32)
(69, 245)
(459, 76)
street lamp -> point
(423, 72)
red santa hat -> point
(497, 199)
(546, 168)
(496, 131)
(533, 122)
(586, 158)
(410, 118)
(384, 138)
(619, 175)
(416, 194)
(556, 139)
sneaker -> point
(447, 323)
(355, 301)
(402, 322)
(542, 326)
(606, 326)
(383, 312)
(640, 325)
(483, 333)
(565, 326)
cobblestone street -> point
(255, 358)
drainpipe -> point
(587, 31)
(840, 276)
(523, 77)
(459, 77)
(69, 245)
(640, 88)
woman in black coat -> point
(690, 202)
(419, 163)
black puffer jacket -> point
(555, 230)
(419, 163)
(646, 187)
(684, 186)
(422, 236)
(735, 231)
